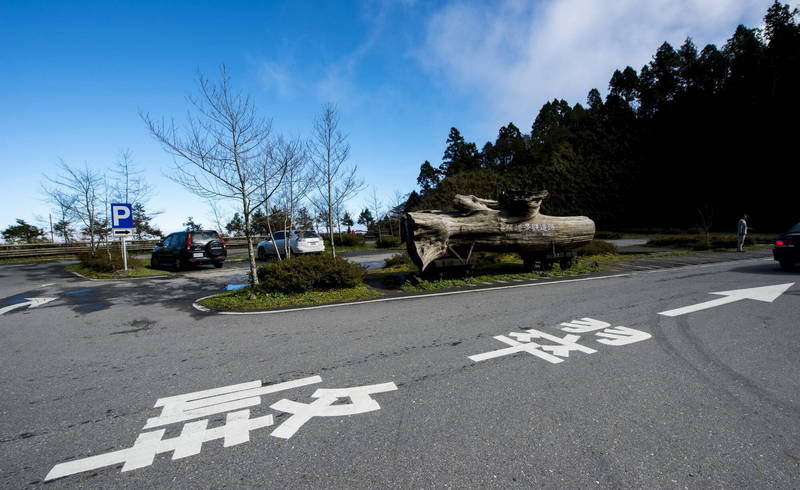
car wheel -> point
(786, 265)
(153, 263)
(262, 255)
(177, 265)
(218, 265)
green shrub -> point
(346, 239)
(398, 259)
(309, 273)
(388, 242)
(597, 247)
(100, 261)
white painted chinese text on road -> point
(234, 400)
(558, 348)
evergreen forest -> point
(695, 138)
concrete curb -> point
(409, 296)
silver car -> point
(300, 241)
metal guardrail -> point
(28, 250)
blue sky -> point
(76, 74)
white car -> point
(300, 241)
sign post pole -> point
(124, 252)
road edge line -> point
(204, 309)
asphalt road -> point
(709, 399)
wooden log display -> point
(511, 224)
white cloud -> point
(515, 55)
(338, 83)
(277, 77)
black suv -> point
(184, 248)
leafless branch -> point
(224, 151)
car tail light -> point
(188, 241)
(779, 243)
(224, 245)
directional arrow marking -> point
(30, 303)
(765, 293)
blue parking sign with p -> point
(121, 215)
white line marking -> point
(324, 406)
(148, 444)
(30, 303)
(208, 402)
(767, 294)
(48, 284)
(621, 336)
(237, 428)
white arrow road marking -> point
(30, 303)
(767, 294)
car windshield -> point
(794, 229)
(307, 234)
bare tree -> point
(705, 215)
(224, 152)
(81, 191)
(396, 210)
(376, 206)
(334, 181)
(64, 202)
(129, 185)
(297, 182)
(215, 211)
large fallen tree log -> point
(511, 224)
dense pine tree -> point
(694, 129)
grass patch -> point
(237, 258)
(508, 267)
(240, 300)
(138, 272)
(394, 277)
(368, 246)
(33, 260)
(395, 269)
(715, 241)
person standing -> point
(741, 232)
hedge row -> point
(107, 260)
(309, 273)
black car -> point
(787, 248)
(184, 248)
